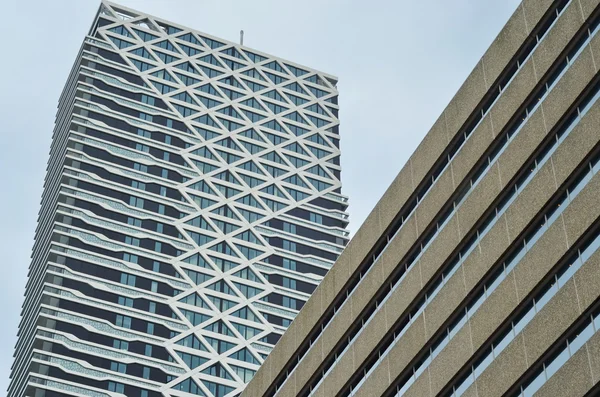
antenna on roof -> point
(241, 37)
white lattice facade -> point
(192, 203)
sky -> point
(399, 62)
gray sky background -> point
(399, 63)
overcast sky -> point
(399, 63)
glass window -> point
(125, 301)
(118, 367)
(289, 264)
(535, 385)
(123, 321)
(116, 387)
(316, 218)
(580, 340)
(136, 201)
(558, 362)
(120, 344)
(128, 279)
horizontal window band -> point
(488, 225)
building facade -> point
(478, 272)
(192, 203)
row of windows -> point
(133, 369)
(139, 202)
(112, 90)
(525, 316)
(146, 243)
(156, 119)
(118, 276)
(143, 304)
(150, 187)
(285, 301)
(131, 78)
(485, 226)
(56, 373)
(136, 324)
(125, 127)
(577, 339)
(135, 347)
(302, 249)
(294, 265)
(485, 290)
(148, 224)
(154, 170)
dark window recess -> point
(113, 105)
(327, 221)
(103, 22)
(146, 243)
(285, 301)
(159, 103)
(271, 338)
(273, 319)
(133, 369)
(157, 119)
(131, 391)
(149, 187)
(115, 72)
(148, 204)
(298, 266)
(106, 54)
(138, 303)
(136, 323)
(307, 232)
(154, 170)
(47, 393)
(115, 275)
(123, 126)
(303, 249)
(148, 224)
(146, 263)
(170, 123)
(113, 56)
(138, 347)
(297, 284)
(329, 204)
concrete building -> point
(192, 203)
(478, 271)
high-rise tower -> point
(192, 203)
